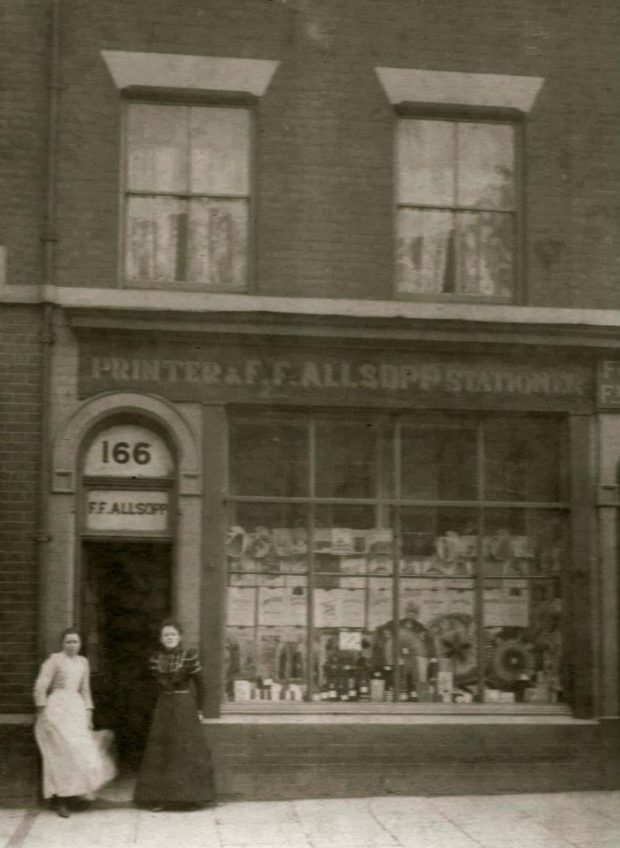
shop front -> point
(384, 550)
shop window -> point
(269, 458)
(346, 460)
(400, 565)
(456, 216)
(187, 196)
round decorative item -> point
(455, 639)
(500, 546)
(236, 542)
(448, 547)
(511, 660)
(260, 543)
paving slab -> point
(562, 820)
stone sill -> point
(210, 302)
(395, 714)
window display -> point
(390, 598)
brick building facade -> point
(315, 284)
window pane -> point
(154, 239)
(346, 460)
(220, 154)
(345, 542)
(437, 639)
(438, 541)
(156, 148)
(425, 257)
(352, 602)
(426, 157)
(486, 165)
(438, 463)
(437, 633)
(485, 253)
(523, 459)
(354, 659)
(268, 458)
(218, 245)
(525, 563)
(267, 548)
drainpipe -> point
(47, 337)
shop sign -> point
(128, 450)
(122, 510)
(242, 373)
(608, 384)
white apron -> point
(73, 763)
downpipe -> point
(49, 240)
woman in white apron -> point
(72, 762)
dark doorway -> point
(126, 596)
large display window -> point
(396, 559)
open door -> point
(127, 593)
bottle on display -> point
(388, 676)
(352, 690)
(363, 681)
(377, 686)
(432, 672)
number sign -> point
(128, 450)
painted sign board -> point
(128, 450)
(122, 510)
(608, 384)
(291, 373)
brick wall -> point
(20, 780)
(303, 761)
(325, 144)
(24, 37)
(20, 411)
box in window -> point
(282, 541)
(425, 692)
(322, 540)
(445, 683)
(380, 564)
(243, 690)
(380, 541)
(523, 547)
(342, 541)
(377, 689)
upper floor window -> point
(187, 196)
(456, 208)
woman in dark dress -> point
(176, 770)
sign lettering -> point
(608, 384)
(121, 510)
(247, 372)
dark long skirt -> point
(176, 768)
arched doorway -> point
(126, 518)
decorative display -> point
(361, 652)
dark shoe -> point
(62, 810)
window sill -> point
(303, 713)
(441, 297)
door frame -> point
(60, 575)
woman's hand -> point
(200, 716)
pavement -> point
(559, 820)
